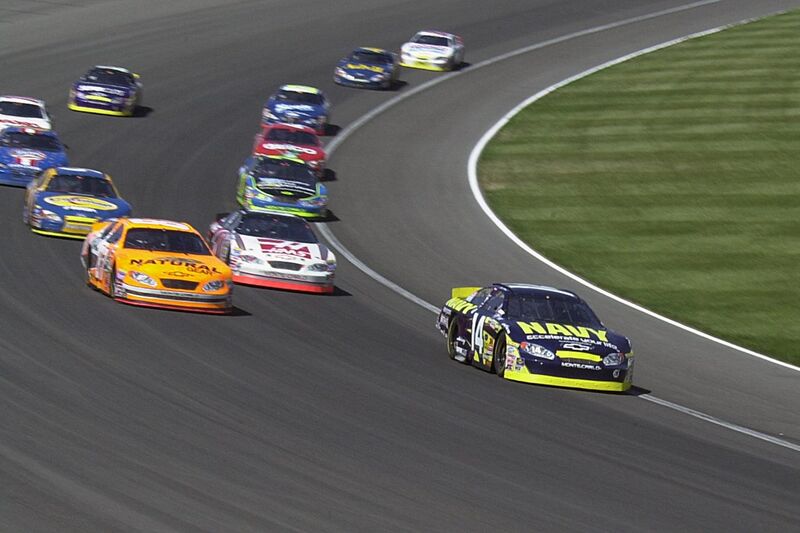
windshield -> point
(268, 169)
(297, 97)
(166, 240)
(276, 227)
(109, 76)
(292, 136)
(433, 40)
(551, 308)
(364, 56)
(81, 185)
(19, 109)
(33, 141)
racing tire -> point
(499, 356)
(452, 335)
(112, 283)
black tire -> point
(89, 261)
(499, 356)
(112, 284)
(452, 333)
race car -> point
(156, 263)
(535, 334)
(273, 250)
(293, 139)
(107, 91)
(298, 104)
(433, 50)
(24, 112)
(66, 202)
(373, 68)
(25, 152)
(281, 184)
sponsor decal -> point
(567, 330)
(582, 366)
(576, 346)
(462, 306)
(189, 264)
(292, 147)
(28, 158)
(280, 108)
(97, 89)
(361, 66)
(294, 249)
(80, 203)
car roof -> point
(287, 126)
(301, 89)
(157, 223)
(435, 33)
(529, 288)
(22, 100)
(109, 67)
(76, 171)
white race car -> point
(24, 112)
(273, 250)
(433, 50)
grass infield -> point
(672, 180)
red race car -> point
(299, 141)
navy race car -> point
(297, 104)
(535, 334)
(25, 152)
(107, 91)
(66, 202)
(374, 68)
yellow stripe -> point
(555, 381)
(99, 111)
(56, 234)
(568, 354)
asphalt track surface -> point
(343, 413)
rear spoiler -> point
(463, 292)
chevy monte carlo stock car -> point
(535, 334)
(156, 263)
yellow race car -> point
(156, 263)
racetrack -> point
(343, 413)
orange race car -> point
(156, 263)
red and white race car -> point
(273, 250)
(24, 112)
(292, 139)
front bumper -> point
(305, 212)
(286, 282)
(102, 108)
(612, 379)
(358, 82)
(177, 300)
(72, 227)
(438, 65)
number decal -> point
(477, 333)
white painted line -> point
(472, 172)
(722, 423)
(472, 167)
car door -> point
(486, 324)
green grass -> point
(673, 180)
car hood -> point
(568, 338)
(188, 267)
(363, 68)
(83, 205)
(279, 249)
(31, 159)
(102, 88)
(295, 110)
(283, 187)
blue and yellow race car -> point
(106, 90)
(65, 202)
(25, 152)
(298, 104)
(535, 334)
(374, 68)
(281, 184)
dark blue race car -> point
(297, 104)
(373, 68)
(66, 202)
(25, 152)
(107, 91)
(535, 334)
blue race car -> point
(374, 68)
(25, 152)
(107, 91)
(282, 184)
(65, 202)
(297, 104)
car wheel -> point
(499, 356)
(452, 335)
(112, 283)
